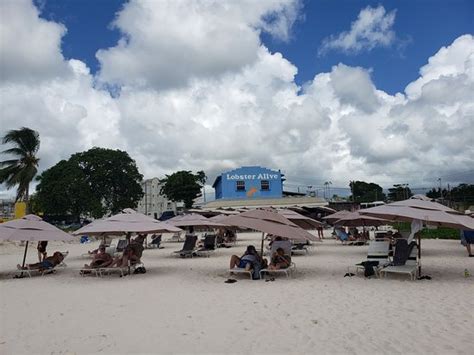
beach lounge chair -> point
(286, 245)
(410, 267)
(379, 251)
(238, 270)
(300, 248)
(42, 272)
(155, 243)
(209, 246)
(188, 247)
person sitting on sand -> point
(48, 263)
(279, 260)
(100, 259)
(249, 260)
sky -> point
(379, 91)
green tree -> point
(366, 192)
(399, 192)
(463, 195)
(183, 186)
(94, 183)
(23, 166)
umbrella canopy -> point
(397, 212)
(300, 220)
(31, 228)
(194, 220)
(269, 222)
(336, 216)
(128, 221)
(355, 219)
(423, 204)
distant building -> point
(7, 209)
(153, 203)
(249, 182)
(255, 187)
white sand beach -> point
(184, 306)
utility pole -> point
(440, 191)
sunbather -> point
(48, 263)
(127, 257)
(249, 260)
(279, 260)
(101, 259)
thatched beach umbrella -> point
(31, 228)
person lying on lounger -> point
(127, 257)
(249, 260)
(279, 260)
(101, 259)
(48, 263)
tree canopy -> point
(92, 183)
(399, 192)
(183, 186)
(366, 192)
(20, 169)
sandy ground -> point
(184, 306)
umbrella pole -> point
(261, 249)
(24, 258)
(419, 254)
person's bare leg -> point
(40, 256)
(234, 261)
(468, 247)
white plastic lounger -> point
(286, 245)
(43, 272)
(410, 267)
(379, 250)
(238, 270)
(288, 271)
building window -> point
(265, 185)
(240, 185)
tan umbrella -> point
(300, 220)
(31, 228)
(431, 213)
(336, 216)
(127, 222)
(269, 222)
(194, 220)
(355, 219)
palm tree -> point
(21, 169)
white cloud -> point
(373, 28)
(30, 46)
(165, 44)
(339, 127)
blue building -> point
(249, 182)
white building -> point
(153, 203)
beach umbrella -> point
(270, 222)
(417, 211)
(194, 220)
(127, 222)
(336, 216)
(355, 219)
(299, 219)
(31, 228)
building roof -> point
(268, 202)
